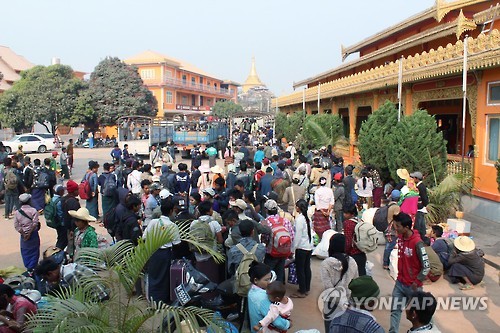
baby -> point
(281, 305)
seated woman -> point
(466, 264)
(85, 235)
(258, 301)
(339, 269)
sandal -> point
(466, 287)
(298, 295)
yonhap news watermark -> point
(333, 302)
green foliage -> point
(226, 109)
(289, 125)
(373, 137)
(75, 310)
(42, 94)
(415, 144)
(116, 90)
(322, 130)
(444, 199)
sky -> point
(290, 40)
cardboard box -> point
(462, 227)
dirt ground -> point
(306, 314)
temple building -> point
(430, 46)
(11, 65)
(180, 87)
(252, 80)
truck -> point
(187, 134)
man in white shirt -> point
(154, 155)
(134, 179)
(158, 270)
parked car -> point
(50, 136)
(30, 143)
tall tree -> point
(43, 94)
(116, 90)
(226, 109)
(415, 144)
(373, 138)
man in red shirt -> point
(413, 267)
(350, 221)
(19, 306)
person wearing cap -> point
(423, 201)
(413, 266)
(357, 318)
(27, 225)
(154, 155)
(466, 263)
(157, 166)
(339, 196)
(421, 307)
(85, 235)
(108, 182)
(391, 236)
(152, 202)
(239, 206)
(208, 195)
(293, 194)
(92, 204)
(53, 161)
(62, 230)
(70, 202)
(273, 218)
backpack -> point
(84, 190)
(109, 221)
(11, 180)
(354, 196)
(365, 236)
(200, 230)
(242, 279)
(109, 186)
(380, 218)
(42, 179)
(281, 242)
(50, 214)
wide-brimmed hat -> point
(210, 191)
(403, 174)
(240, 203)
(158, 165)
(82, 214)
(216, 169)
(464, 244)
(204, 168)
(25, 197)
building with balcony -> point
(11, 65)
(180, 87)
(430, 46)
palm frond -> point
(187, 237)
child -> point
(281, 305)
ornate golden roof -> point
(483, 52)
(252, 79)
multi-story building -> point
(180, 87)
(11, 65)
(430, 46)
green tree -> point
(116, 90)
(75, 309)
(289, 125)
(322, 129)
(42, 94)
(226, 109)
(415, 144)
(373, 138)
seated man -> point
(19, 306)
(434, 261)
(466, 263)
(234, 255)
(420, 309)
(57, 276)
(356, 318)
(442, 246)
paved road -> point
(306, 314)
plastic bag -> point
(292, 274)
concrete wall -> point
(483, 208)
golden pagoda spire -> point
(252, 79)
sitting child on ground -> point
(281, 305)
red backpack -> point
(84, 190)
(281, 241)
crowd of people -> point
(275, 202)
